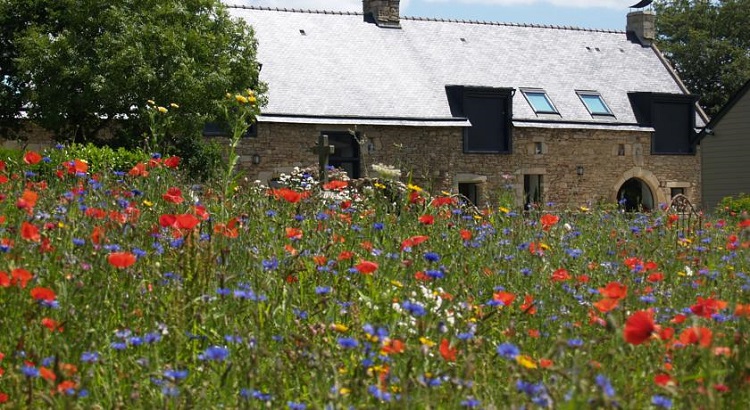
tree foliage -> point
(708, 43)
(76, 66)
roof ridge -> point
(433, 19)
(292, 10)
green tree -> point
(708, 43)
(79, 66)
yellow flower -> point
(526, 361)
(148, 203)
(241, 99)
(251, 99)
(344, 391)
(60, 225)
(584, 209)
(413, 187)
(426, 342)
(151, 102)
(174, 105)
(162, 110)
(397, 284)
(338, 327)
(544, 246)
(342, 370)
(379, 185)
(504, 210)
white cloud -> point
(611, 4)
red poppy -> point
(655, 277)
(664, 380)
(427, 219)
(448, 352)
(288, 195)
(320, 260)
(607, 304)
(47, 374)
(121, 260)
(293, 233)
(27, 200)
(465, 234)
(4, 280)
(95, 213)
(707, 307)
(4, 398)
(46, 294)
(528, 305)
(639, 327)
(442, 201)
(393, 346)
(139, 170)
(548, 221)
(77, 166)
(696, 335)
(345, 256)
(614, 290)
(739, 310)
(413, 241)
(335, 185)
(506, 298)
(20, 277)
(560, 275)
(97, 234)
(52, 324)
(172, 162)
(186, 221)
(32, 157)
(366, 267)
(173, 195)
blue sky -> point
(603, 14)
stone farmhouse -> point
(556, 114)
(725, 151)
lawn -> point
(135, 289)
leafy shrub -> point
(201, 159)
(99, 158)
(735, 205)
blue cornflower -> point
(136, 341)
(575, 342)
(152, 337)
(173, 374)
(435, 274)
(381, 395)
(296, 406)
(79, 241)
(470, 403)
(348, 342)
(605, 385)
(270, 264)
(323, 290)
(661, 401)
(378, 226)
(30, 371)
(215, 353)
(431, 257)
(508, 351)
(414, 309)
(118, 345)
(257, 394)
(89, 357)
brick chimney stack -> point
(642, 25)
(384, 13)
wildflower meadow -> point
(132, 288)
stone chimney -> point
(384, 13)
(642, 25)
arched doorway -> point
(635, 195)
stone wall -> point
(433, 158)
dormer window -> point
(594, 103)
(540, 102)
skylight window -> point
(594, 103)
(540, 102)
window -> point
(539, 101)
(538, 148)
(532, 190)
(489, 111)
(621, 150)
(594, 103)
(677, 191)
(673, 118)
(346, 152)
(470, 191)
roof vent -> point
(384, 13)
(642, 25)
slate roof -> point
(338, 67)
